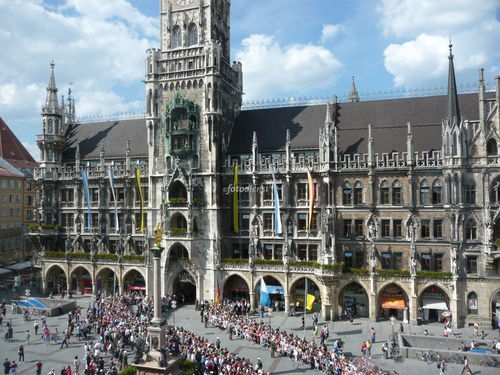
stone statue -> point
(120, 247)
(411, 231)
(67, 244)
(488, 233)
(372, 231)
(158, 231)
(413, 266)
(372, 263)
(217, 251)
(93, 244)
(454, 262)
(254, 235)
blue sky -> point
(287, 47)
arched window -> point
(57, 127)
(176, 37)
(358, 193)
(472, 304)
(424, 193)
(397, 196)
(495, 191)
(192, 35)
(437, 187)
(492, 147)
(347, 193)
(470, 192)
(471, 230)
(384, 192)
(50, 126)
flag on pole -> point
(277, 216)
(85, 180)
(265, 299)
(217, 294)
(312, 196)
(236, 226)
(310, 301)
(112, 184)
(139, 187)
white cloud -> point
(32, 149)
(270, 68)
(329, 31)
(98, 45)
(426, 26)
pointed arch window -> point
(50, 126)
(192, 35)
(176, 37)
(358, 193)
(471, 230)
(384, 192)
(437, 188)
(347, 193)
(492, 147)
(424, 193)
(397, 196)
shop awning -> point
(136, 288)
(3, 271)
(20, 266)
(433, 304)
(397, 303)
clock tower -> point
(193, 98)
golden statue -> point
(158, 234)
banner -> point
(277, 216)
(217, 294)
(112, 184)
(312, 196)
(236, 224)
(85, 180)
(138, 177)
(310, 301)
(265, 299)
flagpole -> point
(305, 305)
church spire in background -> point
(353, 94)
(453, 110)
(51, 104)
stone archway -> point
(107, 282)
(495, 309)
(235, 287)
(184, 287)
(134, 281)
(353, 296)
(81, 280)
(433, 302)
(56, 279)
(392, 301)
(275, 289)
(299, 289)
(177, 251)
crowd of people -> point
(231, 317)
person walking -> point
(77, 364)
(36, 326)
(373, 334)
(466, 369)
(38, 366)
(20, 352)
(6, 367)
(65, 341)
(13, 368)
(442, 367)
(28, 335)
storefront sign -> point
(472, 304)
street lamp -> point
(392, 319)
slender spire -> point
(353, 94)
(453, 110)
(51, 99)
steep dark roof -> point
(388, 119)
(112, 134)
(12, 150)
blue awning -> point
(271, 289)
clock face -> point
(184, 2)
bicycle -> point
(428, 357)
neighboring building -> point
(406, 210)
(18, 161)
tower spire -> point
(453, 110)
(51, 104)
(353, 94)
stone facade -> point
(404, 216)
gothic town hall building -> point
(388, 207)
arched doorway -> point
(107, 282)
(275, 290)
(235, 288)
(434, 303)
(495, 310)
(81, 281)
(177, 252)
(184, 287)
(56, 280)
(133, 281)
(393, 301)
(298, 291)
(353, 296)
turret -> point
(353, 94)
